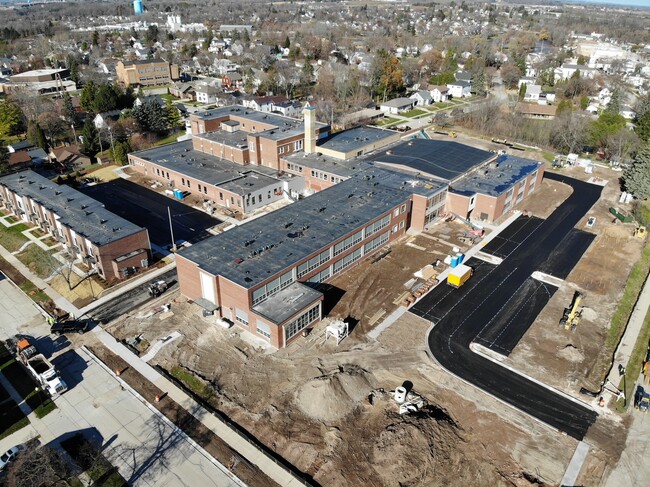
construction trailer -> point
(459, 275)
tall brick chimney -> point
(309, 114)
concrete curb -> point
(164, 418)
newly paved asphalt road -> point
(148, 209)
(475, 309)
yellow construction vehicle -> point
(573, 313)
(640, 232)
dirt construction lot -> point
(328, 410)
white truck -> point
(45, 373)
(41, 368)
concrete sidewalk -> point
(630, 335)
(232, 437)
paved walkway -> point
(632, 330)
(236, 441)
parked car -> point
(69, 326)
(8, 456)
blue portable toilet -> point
(454, 261)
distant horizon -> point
(621, 3)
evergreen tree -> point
(89, 133)
(151, 116)
(36, 135)
(95, 38)
(69, 110)
(4, 159)
(643, 126)
(173, 117)
(522, 91)
(614, 105)
(87, 97)
(11, 119)
(478, 83)
(637, 177)
(105, 98)
(287, 43)
(120, 152)
(246, 38)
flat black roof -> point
(496, 177)
(209, 169)
(285, 303)
(86, 216)
(355, 138)
(444, 160)
(259, 249)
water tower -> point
(137, 7)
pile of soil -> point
(572, 354)
(333, 396)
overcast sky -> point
(635, 3)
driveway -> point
(147, 450)
(148, 209)
(474, 311)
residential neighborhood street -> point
(146, 448)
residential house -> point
(439, 93)
(460, 89)
(627, 112)
(19, 146)
(288, 109)
(422, 98)
(397, 105)
(206, 94)
(463, 76)
(535, 110)
(567, 70)
(264, 103)
(184, 91)
(533, 93)
(102, 120)
(19, 160)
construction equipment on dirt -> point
(573, 313)
(640, 231)
(338, 330)
(620, 215)
(157, 288)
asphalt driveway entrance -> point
(480, 310)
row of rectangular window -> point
(294, 167)
(377, 242)
(346, 261)
(272, 287)
(377, 226)
(302, 322)
(348, 243)
(313, 263)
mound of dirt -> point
(571, 353)
(332, 397)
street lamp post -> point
(171, 229)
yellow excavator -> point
(573, 313)
(640, 232)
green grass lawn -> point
(635, 281)
(39, 261)
(385, 121)
(416, 112)
(192, 382)
(11, 238)
(13, 417)
(169, 139)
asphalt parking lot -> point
(148, 209)
(479, 311)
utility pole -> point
(110, 133)
(171, 229)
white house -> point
(532, 93)
(567, 70)
(460, 89)
(422, 98)
(627, 112)
(526, 80)
(397, 105)
(289, 109)
(439, 93)
(206, 94)
(101, 119)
